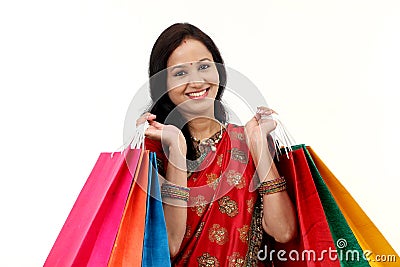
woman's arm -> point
(279, 217)
(174, 209)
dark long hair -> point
(162, 105)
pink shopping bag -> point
(128, 245)
(88, 235)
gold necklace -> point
(209, 142)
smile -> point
(199, 94)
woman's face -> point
(192, 78)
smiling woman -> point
(221, 221)
(184, 61)
(195, 80)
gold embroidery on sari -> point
(218, 234)
(243, 232)
(199, 204)
(235, 260)
(255, 235)
(250, 205)
(206, 260)
(228, 206)
(236, 179)
(188, 231)
(219, 159)
(185, 256)
(199, 230)
(239, 155)
(237, 135)
(213, 180)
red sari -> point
(223, 221)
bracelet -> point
(272, 186)
(175, 191)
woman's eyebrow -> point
(206, 58)
(183, 65)
(177, 66)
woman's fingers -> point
(155, 129)
(153, 132)
(264, 113)
(141, 119)
(151, 117)
(156, 124)
(265, 119)
(145, 117)
(257, 116)
(263, 109)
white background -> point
(69, 69)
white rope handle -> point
(281, 137)
(137, 139)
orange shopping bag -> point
(128, 245)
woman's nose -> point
(196, 80)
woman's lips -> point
(199, 94)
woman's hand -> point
(169, 135)
(279, 216)
(175, 213)
(258, 128)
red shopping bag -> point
(88, 235)
(314, 236)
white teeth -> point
(198, 93)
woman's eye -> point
(204, 66)
(180, 73)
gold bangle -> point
(174, 191)
(272, 186)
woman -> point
(213, 216)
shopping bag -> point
(314, 237)
(87, 237)
(372, 242)
(155, 244)
(348, 250)
(128, 246)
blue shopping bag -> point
(155, 244)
